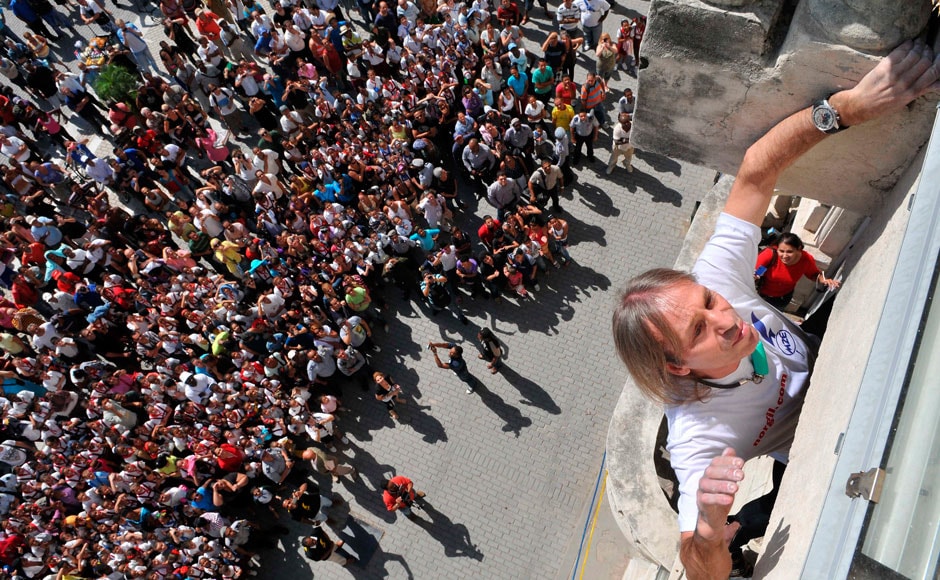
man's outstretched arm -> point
(907, 73)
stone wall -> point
(722, 73)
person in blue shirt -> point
(346, 192)
(326, 192)
(43, 229)
(427, 238)
(202, 499)
(22, 10)
(134, 157)
(335, 36)
(518, 81)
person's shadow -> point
(534, 395)
(514, 420)
(366, 486)
(454, 537)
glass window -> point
(901, 537)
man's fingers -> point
(908, 59)
(718, 487)
(919, 71)
(929, 77)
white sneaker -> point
(536, 287)
(469, 390)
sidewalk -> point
(600, 554)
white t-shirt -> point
(592, 11)
(753, 419)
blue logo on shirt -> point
(783, 339)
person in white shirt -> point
(266, 160)
(14, 148)
(593, 13)
(131, 37)
(621, 145)
(260, 24)
(209, 52)
(408, 9)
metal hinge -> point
(866, 484)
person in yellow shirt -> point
(562, 115)
(228, 254)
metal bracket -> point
(866, 484)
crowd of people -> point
(174, 365)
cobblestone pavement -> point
(509, 471)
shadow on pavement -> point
(513, 418)
(534, 395)
(454, 537)
(595, 198)
(659, 163)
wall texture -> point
(720, 76)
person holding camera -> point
(437, 292)
(455, 362)
(399, 494)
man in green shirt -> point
(543, 81)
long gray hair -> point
(645, 340)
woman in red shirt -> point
(784, 264)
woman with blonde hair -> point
(606, 53)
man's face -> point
(714, 337)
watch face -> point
(824, 118)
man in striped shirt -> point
(569, 18)
(593, 93)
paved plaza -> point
(509, 471)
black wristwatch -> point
(826, 118)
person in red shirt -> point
(207, 24)
(229, 457)
(508, 13)
(24, 293)
(566, 90)
(488, 230)
(784, 264)
(399, 495)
